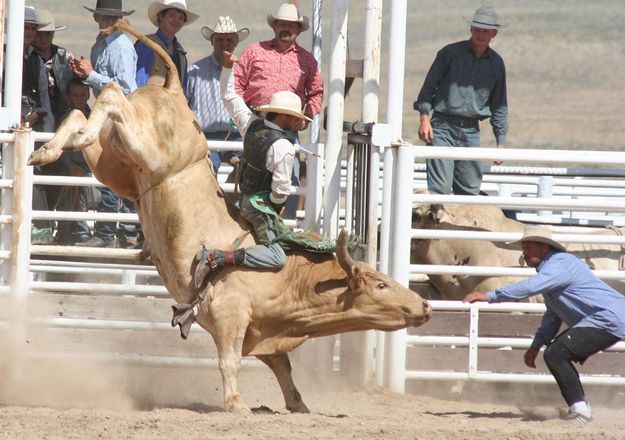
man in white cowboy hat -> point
(593, 312)
(169, 16)
(56, 61)
(280, 64)
(113, 58)
(267, 162)
(465, 85)
(203, 88)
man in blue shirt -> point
(593, 312)
(466, 84)
(113, 58)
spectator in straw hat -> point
(280, 64)
(113, 58)
(593, 312)
(169, 16)
(203, 86)
(268, 155)
(56, 61)
(465, 85)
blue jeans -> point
(268, 254)
(463, 177)
(106, 231)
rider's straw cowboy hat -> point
(288, 12)
(225, 25)
(539, 234)
(286, 103)
(46, 16)
(180, 5)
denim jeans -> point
(268, 254)
(106, 231)
(463, 177)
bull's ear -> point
(356, 281)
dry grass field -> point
(564, 58)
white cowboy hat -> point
(286, 103)
(109, 8)
(181, 5)
(288, 12)
(225, 25)
(539, 234)
(46, 16)
(485, 18)
(31, 17)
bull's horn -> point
(345, 260)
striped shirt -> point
(573, 295)
(262, 71)
(203, 90)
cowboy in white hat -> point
(280, 64)
(267, 162)
(203, 87)
(592, 310)
(56, 60)
(169, 16)
(465, 85)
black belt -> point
(216, 135)
(460, 121)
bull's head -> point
(377, 299)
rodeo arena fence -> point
(101, 303)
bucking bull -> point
(149, 148)
(486, 253)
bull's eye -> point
(382, 285)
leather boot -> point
(210, 260)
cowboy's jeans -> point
(464, 177)
(267, 254)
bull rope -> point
(167, 177)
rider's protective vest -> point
(254, 174)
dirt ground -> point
(68, 400)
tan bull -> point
(486, 253)
(149, 148)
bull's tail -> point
(172, 81)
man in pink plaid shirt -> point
(280, 64)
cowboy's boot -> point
(210, 260)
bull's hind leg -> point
(281, 367)
(51, 151)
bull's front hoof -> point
(42, 156)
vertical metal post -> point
(336, 103)
(13, 64)
(473, 339)
(360, 345)
(317, 39)
(395, 346)
(20, 249)
(545, 189)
